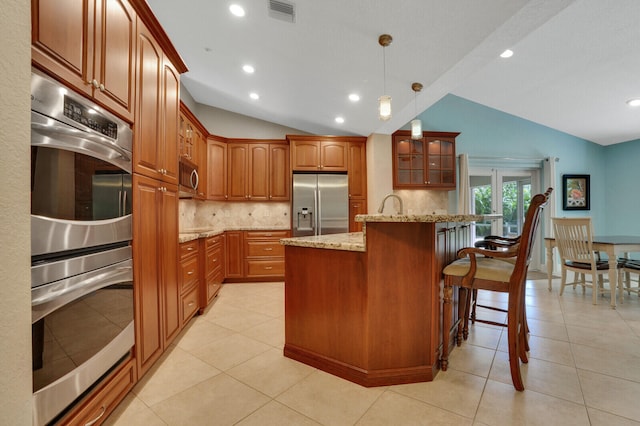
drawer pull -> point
(189, 248)
(268, 268)
(268, 249)
(191, 304)
(103, 410)
(190, 273)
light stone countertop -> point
(352, 241)
(356, 241)
(187, 235)
(424, 217)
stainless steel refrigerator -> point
(320, 204)
(111, 195)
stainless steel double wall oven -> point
(81, 230)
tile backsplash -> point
(213, 215)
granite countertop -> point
(424, 217)
(352, 241)
(356, 241)
(187, 235)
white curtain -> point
(464, 194)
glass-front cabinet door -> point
(428, 162)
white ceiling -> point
(575, 65)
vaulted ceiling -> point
(575, 62)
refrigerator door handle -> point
(319, 210)
(315, 209)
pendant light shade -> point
(384, 101)
(384, 107)
(416, 129)
(416, 124)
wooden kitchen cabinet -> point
(248, 169)
(216, 169)
(264, 255)
(98, 405)
(91, 45)
(189, 280)
(429, 162)
(212, 274)
(257, 170)
(318, 153)
(356, 206)
(155, 259)
(234, 254)
(155, 148)
(279, 172)
(357, 170)
(192, 148)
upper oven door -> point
(77, 201)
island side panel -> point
(404, 293)
(325, 309)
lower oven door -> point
(82, 328)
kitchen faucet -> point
(381, 208)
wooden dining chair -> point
(628, 275)
(574, 240)
(479, 268)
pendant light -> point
(384, 101)
(416, 124)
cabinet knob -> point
(101, 87)
(94, 83)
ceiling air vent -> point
(282, 10)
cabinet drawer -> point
(189, 248)
(213, 241)
(264, 249)
(266, 234)
(265, 268)
(189, 305)
(106, 399)
(214, 260)
(189, 275)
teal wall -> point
(622, 196)
(486, 132)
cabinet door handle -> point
(103, 410)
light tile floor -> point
(227, 368)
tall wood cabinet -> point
(91, 45)
(155, 148)
(155, 258)
(357, 171)
(429, 162)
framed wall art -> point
(575, 192)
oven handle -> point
(50, 133)
(47, 298)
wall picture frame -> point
(576, 192)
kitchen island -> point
(367, 306)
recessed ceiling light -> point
(254, 96)
(507, 53)
(339, 120)
(248, 69)
(354, 97)
(634, 102)
(237, 10)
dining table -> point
(613, 246)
